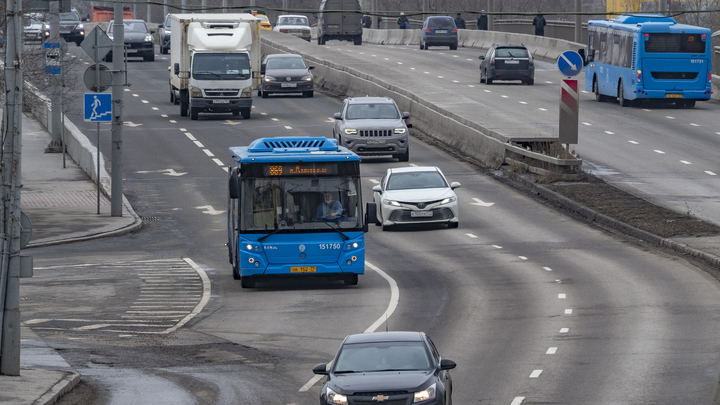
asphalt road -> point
(533, 306)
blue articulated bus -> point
(295, 209)
(648, 56)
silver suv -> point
(373, 126)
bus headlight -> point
(249, 247)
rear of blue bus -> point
(674, 64)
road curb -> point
(62, 387)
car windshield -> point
(375, 111)
(71, 16)
(130, 26)
(382, 356)
(220, 66)
(441, 23)
(415, 180)
(293, 21)
(285, 63)
(511, 53)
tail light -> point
(283, 30)
(454, 30)
(704, 37)
(709, 77)
(428, 30)
(492, 60)
(639, 75)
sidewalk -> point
(62, 206)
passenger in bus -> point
(329, 209)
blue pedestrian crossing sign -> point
(98, 107)
(570, 63)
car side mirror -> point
(152, 31)
(177, 69)
(377, 188)
(406, 115)
(337, 116)
(446, 364)
(160, 26)
(83, 19)
(262, 69)
(311, 67)
(320, 369)
(454, 185)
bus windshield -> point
(300, 204)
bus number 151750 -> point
(330, 246)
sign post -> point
(98, 108)
(570, 64)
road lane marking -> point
(199, 145)
(207, 152)
(562, 296)
(471, 235)
(685, 162)
(155, 108)
(173, 122)
(497, 247)
(219, 162)
(659, 151)
(189, 135)
(374, 181)
(535, 373)
(504, 96)
(392, 305)
(275, 119)
(470, 85)
(610, 133)
(145, 101)
(522, 102)
(517, 401)
(587, 124)
(695, 125)
(634, 143)
(645, 109)
(487, 91)
(669, 117)
(551, 350)
(482, 203)
(288, 127)
(568, 311)
(547, 268)
(710, 173)
(564, 330)
(164, 115)
(522, 257)
(440, 77)
(542, 109)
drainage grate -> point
(149, 218)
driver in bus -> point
(329, 209)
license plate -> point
(512, 62)
(288, 84)
(131, 50)
(673, 96)
(333, 26)
(441, 31)
(421, 213)
(370, 141)
(303, 269)
(221, 101)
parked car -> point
(296, 25)
(507, 62)
(373, 126)
(412, 195)
(387, 367)
(285, 73)
(340, 19)
(164, 35)
(439, 31)
(138, 40)
(33, 27)
(72, 27)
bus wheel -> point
(236, 272)
(685, 104)
(351, 279)
(598, 97)
(621, 96)
(246, 282)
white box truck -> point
(214, 63)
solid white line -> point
(547, 268)
(562, 296)
(551, 350)
(568, 312)
(471, 235)
(392, 305)
(535, 373)
(517, 401)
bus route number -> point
(324, 246)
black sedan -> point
(507, 62)
(285, 73)
(138, 40)
(387, 367)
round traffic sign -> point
(570, 63)
(91, 78)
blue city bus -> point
(295, 209)
(648, 56)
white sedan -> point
(296, 25)
(411, 195)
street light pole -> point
(118, 85)
(578, 21)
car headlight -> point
(195, 92)
(307, 78)
(148, 38)
(270, 79)
(335, 398)
(349, 131)
(246, 92)
(399, 130)
(390, 202)
(426, 394)
(448, 200)
(80, 27)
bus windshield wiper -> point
(262, 238)
(345, 237)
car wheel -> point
(452, 225)
(172, 96)
(689, 104)
(259, 93)
(236, 270)
(246, 282)
(421, 45)
(194, 113)
(149, 58)
(351, 279)
(487, 79)
(453, 47)
(265, 94)
(530, 82)
(245, 113)
(308, 93)
(78, 43)
(405, 157)
(385, 227)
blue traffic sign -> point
(53, 58)
(98, 107)
(570, 63)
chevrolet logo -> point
(380, 398)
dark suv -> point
(439, 31)
(72, 28)
(164, 35)
(507, 62)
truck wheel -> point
(357, 40)
(246, 113)
(194, 113)
(183, 108)
(172, 96)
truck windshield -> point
(221, 66)
(300, 204)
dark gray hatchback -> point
(507, 62)
(388, 368)
(439, 31)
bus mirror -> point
(370, 215)
(233, 185)
(590, 56)
(581, 52)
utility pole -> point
(426, 9)
(55, 145)
(11, 177)
(662, 6)
(578, 21)
(491, 17)
(118, 86)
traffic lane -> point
(517, 269)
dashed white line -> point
(189, 135)
(199, 145)
(173, 122)
(504, 96)
(164, 115)
(547, 268)
(441, 77)
(568, 311)
(427, 73)
(645, 109)
(471, 235)
(548, 82)
(135, 95)
(535, 373)
(374, 181)
(182, 129)
(487, 91)
(145, 101)
(551, 350)
(455, 81)
(155, 108)
(522, 257)
(659, 151)
(399, 63)
(275, 119)
(497, 247)
(288, 127)
(542, 109)
(470, 85)
(263, 113)
(219, 162)
(634, 143)
(564, 330)
(695, 125)
(522, 102)
(685, 162)
(710, 173)
(562, 296)
(412, 68)
(669, 117)
(587, 124)
(610, 133)
(517, 401)
(207, 152)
